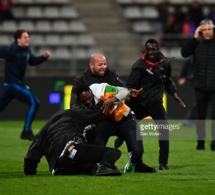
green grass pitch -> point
(191, 171)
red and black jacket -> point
(153, 77)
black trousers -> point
(127, 129)
(203, 99)
(156, 110)
(83, 159)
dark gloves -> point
(178, 99)
(30, 168)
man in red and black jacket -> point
(152, 72)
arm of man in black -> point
(188, 49)
(134, 79)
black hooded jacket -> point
(62, 127)
(153, 77)
(88, 78)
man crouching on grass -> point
(62, 142)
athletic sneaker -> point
(163, 167)
(27, 135)
(144, 168)
(129, 167)
(140, 167)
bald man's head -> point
(98, 64)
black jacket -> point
(88, 78)
(16, 60)
(203, 52)
(154, 78)
(187, 69)
(62, 127)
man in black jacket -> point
(122, 121)
(17, 57)
(152, 72)
(98, 72)
(202, 47)
(61, 141)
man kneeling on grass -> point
(62, 142)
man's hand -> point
(46, 54)
(197, 32)
(182, 81)
(119, 104)
(134, 92)
(107, 105)
(178, 99)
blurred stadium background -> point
(74, 29)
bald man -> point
(97, 72)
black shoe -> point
(213, 146)
(188, 123)
(27, 135)
(200, 145)
(163, 167)
(118, 142)
(105, 171)
(88, 169)
(143, 168)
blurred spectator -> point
(163, 10)
(196, 12)
(179, 16)
(211, 14)
(188, 27)
(5, 10)
(170, 25)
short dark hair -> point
(80, 88)
(152, 41)
(18, 34)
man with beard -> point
(97, 72)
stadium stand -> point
(74, 29)
(144, 19)
(54, 25)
